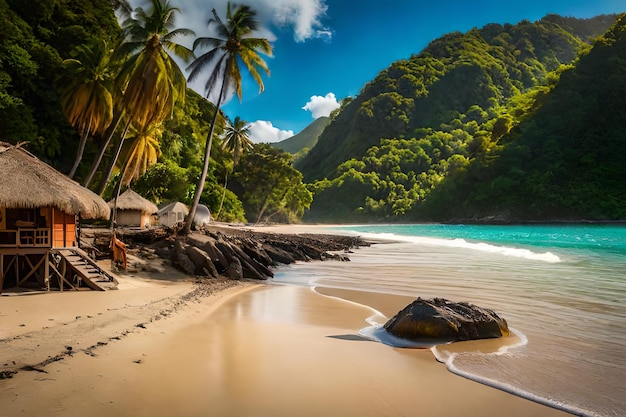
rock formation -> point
(231, 252)
(442, 321)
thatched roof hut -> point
(28, 182)
(130, 200)
(133, 209)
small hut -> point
(40, 210)
(133, 210)
(173, 213)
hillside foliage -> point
(503, 123)
(506, 122)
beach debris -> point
(7, 374)
(442, 321)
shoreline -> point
(224, 348)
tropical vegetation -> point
(506, 122)
(234, 43)
(74, 81)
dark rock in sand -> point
(278, 255)
(224, 251)
(180, 258)
(202, 261)
(207, 244)
(235, 271)
(442, 321)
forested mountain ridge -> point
(563, 162)
(507, 122)
(424, 154)
(306, 139)
(453, 74)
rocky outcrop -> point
(223, 251)
(248, 254)
(442, 321)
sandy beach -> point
(164, 346)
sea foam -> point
(464, 244)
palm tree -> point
(150, 79)
(237, 138)
(233, 43)
(236, 141)
(86, 99)
(144, 152)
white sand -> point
(250, 350)
(264, 351)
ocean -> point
(561, 288)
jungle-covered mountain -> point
(504, 122)
(507, 122)
(305, 139)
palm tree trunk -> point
(205, 168)
(80, 151)
(118, 188)
(98, 160)
(105, 179)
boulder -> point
(235, 271)
(202, 261)
(442, 321)
(180, 259)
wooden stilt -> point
(16, 266)
(46, 273)
(1, 271)
(33, 268)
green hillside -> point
(565, 161)
(503, 123)
(457, 73)
(438, 136)
(306, 139)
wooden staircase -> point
(86, 270)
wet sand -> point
(250, 350)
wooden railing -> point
(25, 238)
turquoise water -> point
(562, 289)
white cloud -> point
(263, 131)
(322, 106)
(304, 17)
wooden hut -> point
(39, 213)
(172, 214)
(133, 210)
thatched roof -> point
(130, 200)
(27, 182)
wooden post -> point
(1, 271)
(46, 273)
(16, 264)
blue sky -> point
(326, 50)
